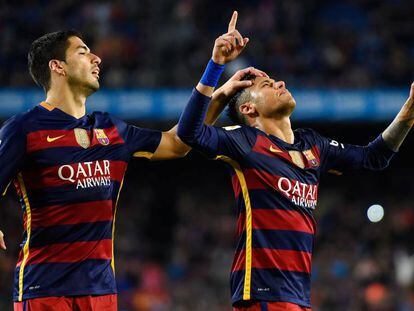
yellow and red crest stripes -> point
(82, 138)
(313, 161)
(101, 136)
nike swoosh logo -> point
(273, 149)
(51, 139)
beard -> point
(83, 85)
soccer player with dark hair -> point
(68, 168)
(275, 173)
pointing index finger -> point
(233, 21)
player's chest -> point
(297, 163)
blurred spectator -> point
(345, 43)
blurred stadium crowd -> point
(175, 226)
(313, 43)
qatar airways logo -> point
(87, 174)
(301, 194)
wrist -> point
(212, 74)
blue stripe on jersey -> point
(292, 287)
(70, 195)
(95, 231)
(280, 239)
(64, 279)
(65, 155)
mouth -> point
(95, 72)
(280, 93)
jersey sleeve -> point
(211, 140)
(140, 142)
(12, 151)
(340, 157)
(233, 141)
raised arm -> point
(226, 48)
(396, 132)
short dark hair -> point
(50, 46)
(237, 100)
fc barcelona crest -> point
(311, 158)
(101, 137)
(82, 138)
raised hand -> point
(235, 83)
(229, 45)
(396, 132)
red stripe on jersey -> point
(267, 147)
(278, 219)
(46, 139)
(71, 173)
(70, 252)
(72, 214)
(264, 258)
(236, 185)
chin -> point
(93, 87)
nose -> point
(280, 85)
(96, 59)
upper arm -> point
(140, 142)
(233, 142)
(12, 152)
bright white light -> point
(375, 213)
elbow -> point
(187, 137)
(378, 164)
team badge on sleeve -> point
(101, 137)
(313, 161)
(82, 138)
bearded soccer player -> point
(68, 168)
(275, 174)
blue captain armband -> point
(212, 74)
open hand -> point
(234, 84)
(229, 45)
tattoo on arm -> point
(395, 134)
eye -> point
(82, 53)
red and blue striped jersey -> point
(68, 174)
(275, 185)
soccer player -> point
(275, 173)
(68, 168)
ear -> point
(56, 66)
(248, 109)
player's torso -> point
(275, 223)
(68, 187)
(85, 157)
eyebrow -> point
(83, 47)
(264, 81)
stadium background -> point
(175, 226)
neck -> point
(66, 99)
(281, 128)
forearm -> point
(396, 132)
(192, 119)
(215, 108)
